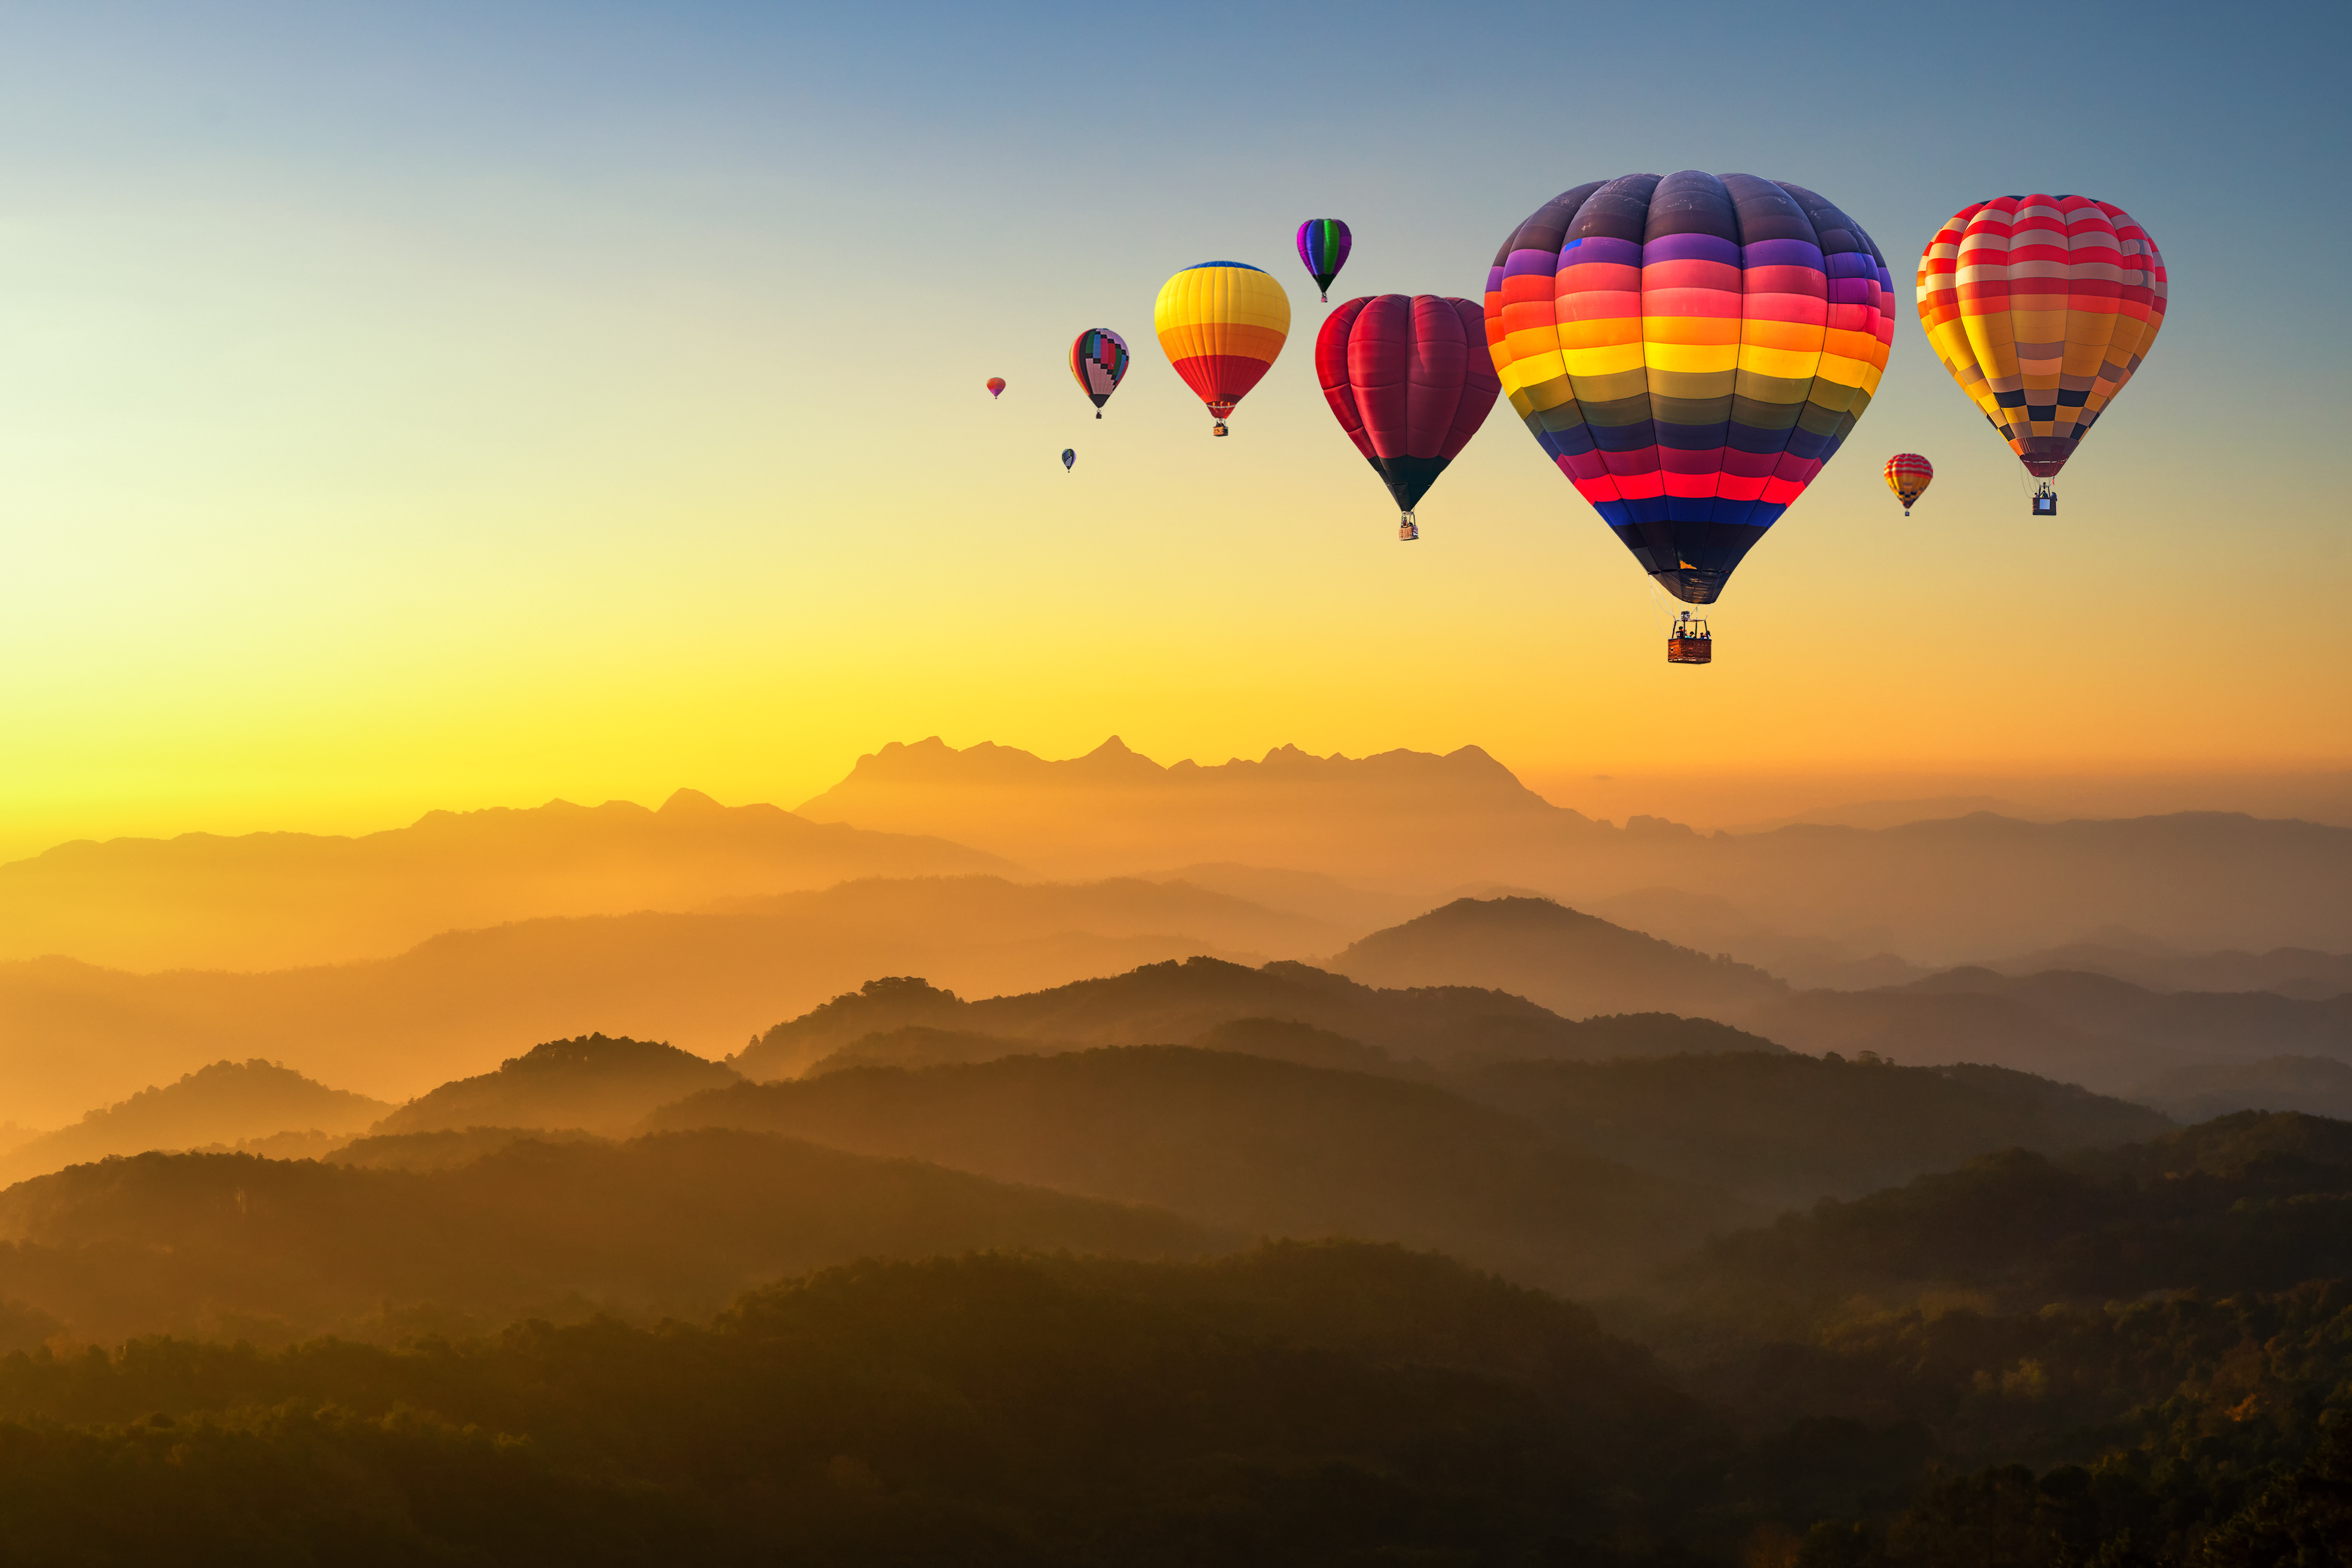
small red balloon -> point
(995, 386)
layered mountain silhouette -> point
(2106, 1034)
(265, 1250)
(2251, 1202)
(225, 1103)
(272, 901)
(1246, 1144)
(1162, 1004)
(2295, 972)
(72, 1036)
(1935, 890)
(1785, 1130)
(2317, 1086)
(593, 1083)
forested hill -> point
(1574, 963)
(239, 1248)
(1787, 1129)
(594, 1082)
(2249, 1202)
(1162, 1004)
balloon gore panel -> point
(1690, 349)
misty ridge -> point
(1310, 1159)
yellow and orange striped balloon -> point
(1221, 323)
(2041, 308)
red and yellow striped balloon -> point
(1908, 475)
(1221, 323)
(2041, 308)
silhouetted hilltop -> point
(266, 1248)
(71, 1036)
(914, 1046)
(592, 1082)
(267, 900)
(227, 1102)
(1785, 1129)
(1246, 1144)
(1575, 964)
(2249, 1202)
(1167, 1003)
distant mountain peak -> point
(684, 801)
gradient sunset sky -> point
(437, 405)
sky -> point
(445, 406)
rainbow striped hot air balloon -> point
(2041, 308)
(1221, 323)
(1908, 475)
(1690, 349)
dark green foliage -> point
(982, 1411)
(226, 1243)
(2248, 1202)
(1786, 1128)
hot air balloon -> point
(1069, 459)
(1323, 245)
(2041, 308)
(1221, 323)
(995, 386)
(1690, 350)
(1908, 475)
(1098, 360)
(1411, 382)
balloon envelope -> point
(1410, 380)
(1908, 475)
(1098, 361)
(1221, 323)
(1323, 245)
(1690, 350)
(2041, 308)
(995, 386)
(1069, 458)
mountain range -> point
(1416, 821)
(277, 900)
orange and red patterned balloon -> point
(2041, 308)
(1908, 475)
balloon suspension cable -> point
(1408, 529)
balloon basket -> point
(2045, 502)
(1407, 529)
(1691, 642)
(1219, 429)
